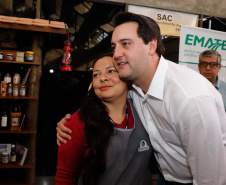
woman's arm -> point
(71, 155)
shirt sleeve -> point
(71, 154)
(201, 127)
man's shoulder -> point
(223, 83)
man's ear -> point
(152, 46)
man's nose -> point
(208, 66)
(117, 52)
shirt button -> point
(165, 172)
(160, 156)
(153, 139)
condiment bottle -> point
(13, 154)
(9, 89)
(4, 119)
(3, 88)
(15, 114)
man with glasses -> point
(209, 66)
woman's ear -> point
(152, 46)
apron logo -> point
(143, 146)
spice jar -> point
(29, 56)
(5, 157)
(23, 90)
(16, 78)
(9, 57)
(15, 90)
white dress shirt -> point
(184, 116)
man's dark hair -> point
(148, 29)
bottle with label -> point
(9, 89)
(13, 154)
(3, 88)
(4, 119)
(15, 114)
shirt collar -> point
(217, 84)
(156, 87)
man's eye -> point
(125, 43)
(112, 71)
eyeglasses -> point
(211, 64)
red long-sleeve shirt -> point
(71, 155)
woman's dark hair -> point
(98, 131)
(148, 29)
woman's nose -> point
(103, 78)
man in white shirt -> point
(181, 111)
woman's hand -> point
(62, 131)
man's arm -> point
(62, 131)
(201, 128)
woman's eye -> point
(95, 75)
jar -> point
(5, 157)
(29, 56)
(9, 57)
(1, 55)
(7, 78)
(23, 90)
(15, 90)
(16, 78)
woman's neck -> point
(116, 111)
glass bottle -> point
(9, 89)
(13, 154)
(15, 114)
(4, 119)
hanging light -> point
(66, 60)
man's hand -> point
(62, 131)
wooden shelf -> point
(18, 132)
(15, 62)
(9, 165)
(33, 28)
(19, 97)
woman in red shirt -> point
(105, 147)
